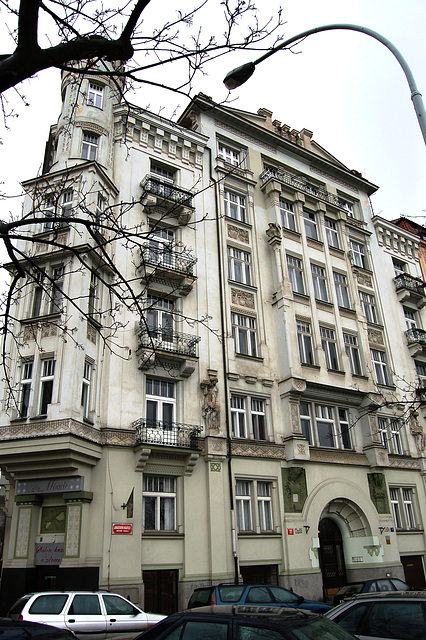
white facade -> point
(241, 414)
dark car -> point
(400, 615)
(228, 622)
(253, 594)
(22, 630)
(370, 586)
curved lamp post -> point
(238, 76)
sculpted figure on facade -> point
(418, 432)
(211, 408)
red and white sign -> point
(122, 529)
(290, 532)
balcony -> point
(410, 289)
(305, 187)
(416, 339)
(165, 347)
(164, 197)
(168, 434)
(173, 271)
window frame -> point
(248, 417)
(229, 154)
(25, 388)
(369, 307)
(390, 431)
(304, 340)
(160, 402)
(160, 496)
(235, 205)
(288, 216)
(329, 346)
(334, 421)
(90, 146)
(295, 274)
(331, 233)
(254, 506)
(342, 290)
(404, 507)
(47, 378)
(352, 351)
(95, 95)
(86, 386)
(311, 224)
(244, 332)
(380, 366)
(359, 255)
(239, 265)
(319, 281)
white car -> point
(100, 613)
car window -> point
(118, 606)
(259, 595)
(350, 589)
(385, 585)
(230, 593)
(400, 585)
(402, 620)
(373, 587)
(351, 619)
(52, 603)
(85, 605)
(200, 597)
(19, 605)
(320, 629)
(282, 595)
(247, 632)
(194, 630)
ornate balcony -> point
(162, 196)
(168, 434)
(416, 339)
(410, 289)
(166, 347)
(173, 271)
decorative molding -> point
(242, 298)
(236, 233)
(72, 538)
(244, 136)
(257, 450)
(375, 336)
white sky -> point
(344, 86)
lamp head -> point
(238, 76)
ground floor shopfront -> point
(154, 523)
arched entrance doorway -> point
(331, 556)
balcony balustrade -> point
(167, 347)
(410, 289)
(169, 272)
(416, 339)
(176, 201)
(164, 258)
(169, 434)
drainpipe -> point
(225, 370)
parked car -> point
(368, 586)
(253, 594)
(226, 622)
(84, 612)
(22, 630)
(400, 615)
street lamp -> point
(238, 76)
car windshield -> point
(320, 629)
(350, 589)
(231, 593)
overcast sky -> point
(344, 86)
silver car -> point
(400, 615)
(100, 613)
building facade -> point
(211, 372)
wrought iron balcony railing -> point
(169, 434)
(416, 336)
(405, 281)
(303, 185)
(168, 259)
(168, 191)
(168, 340)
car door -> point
(122, 615)
(395, 619)
(84, 614)
(47, 608)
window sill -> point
(314, 242)
(291, 233)
(42, 416)
(162, 534)
(243, 284)
(310, 366)
(248, 357)
(243, 223)
(405, 532)
(261, 534)
(48, 317)
(338, 371)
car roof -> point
(38, 627)
(66, 591)
(387, 595)
(273, 613)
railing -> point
(416, 336)
(405, 281)
(171, 434)
(306, 187)
(161, 256)
(168, 340)
(167, 190)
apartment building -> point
(206, 362)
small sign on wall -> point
(48, 553)
(125, 529)
(290, 532)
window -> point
(304, 340)
(358, 254)
(101, 203)
(25, 388)
(380, 366)
(320, 283)
(244, 334)
(347, 206)
(159, 498)
(368, 304)
(93, 294)
(161, 244)
(399, 267)
(57, 289)
(402, 501)
(85, 605)
(66, 203)
(49, 210)
(90, 146)
(94, 99)
(56, 208)
(235, 206)
(239, 266)
(310, 225)
(228, 154)
(288, 220)
(390, 434)
(247, 411)
(249, 494)
(165, 173)
(85, 388)
(160, 403)
(410, 319)
(295, 274)
(46, 384)
(421, 374)
(325, 426)
(352, 351)
(331, 233)
(37, 300)
(159, 318)
(341, 286)
(328, 343)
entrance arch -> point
(340, 519)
